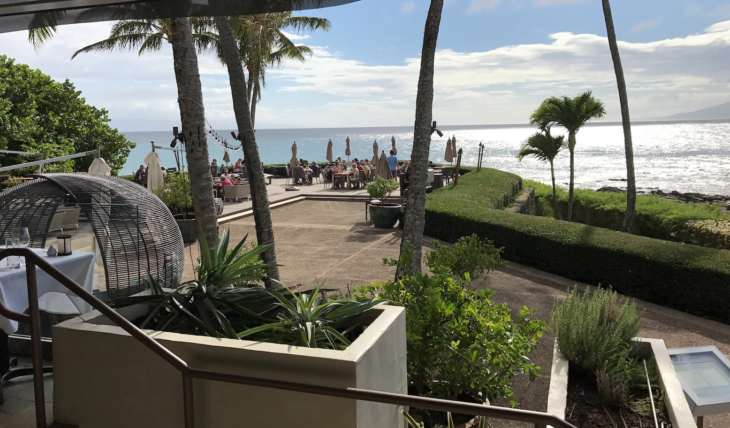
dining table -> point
(53, 298)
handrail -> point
(33, 260)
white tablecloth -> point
(53, 296)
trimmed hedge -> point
(689, 278)
(489, 188)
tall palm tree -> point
(263, 44)
(623, 97)
(544, 147)
(186, 35)
(415, 217)
(572, 114)
(228, 46)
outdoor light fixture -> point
(434, 129)
(178, 137)
(64, 245)
(233, 134)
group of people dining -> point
(338, 172)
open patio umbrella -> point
(100, 167)
(382, 168)
(329, 151)
(375, 153)
(347, 150)
(392, 140)
(154, 171)
(449, 155)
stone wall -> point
(525, 203)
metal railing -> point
(539, 420)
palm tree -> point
(572, 114)
(415, 217)
(630, 215)
(147, 35)
(263, 44)
(228, 48)
(544, 147)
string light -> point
(214, 137)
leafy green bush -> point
(126, 177)
(459, 342)
(381, 188)
(175, 193)
(655, 217)
(689, 278)
(595, 332)
(468, 255)
(591, 327)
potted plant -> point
(461, 345)
(175, 194)
(210, 323)
(382, 214)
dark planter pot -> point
(384, 216)
(188, 228)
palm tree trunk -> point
(630, 215)
(571, 148)
(555, 193)
(255, 96)
(254, 169)
(250, 87)
(192, 115)
(416, 203)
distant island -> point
(719, 112)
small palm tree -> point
(544, 147)
(572, 114)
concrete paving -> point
(330, 241)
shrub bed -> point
(659, 218)
(689, 278)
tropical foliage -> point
(381, 188)
(460, 343)
(222, 301)
(40, 115)
(175, 192)
(572, 114)
(544, 147)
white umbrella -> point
(392, 140)
(448, 156)
(100, 167)
(154, 171)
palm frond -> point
(39, 36)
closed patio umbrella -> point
(294, 161)
(392, 140)
(100, 167)
(329, 151)
(226, 158)
(154, 171)
(375, 153)
(382, 168)
(347, 150)
(449, 155)
(453, 145)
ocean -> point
(686, 157)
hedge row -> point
(489, 188)
(689, 278)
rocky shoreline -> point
(697, 198)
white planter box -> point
(105, 378)
(674, 399)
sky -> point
(496, 61)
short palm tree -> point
(544, 147)
(572, 114)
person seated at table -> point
(339, 169)
(226, 175)
(224, 182)
(238, 180)
(307, 172)
(355, 171)
(315, 169)
(238, 167)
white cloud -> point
(719, 27)
(407, 6)
(553, 2)
(477, 5)
(293, 36)
(646, 25)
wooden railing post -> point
(35, 336)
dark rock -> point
(611, 190)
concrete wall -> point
(105, 378)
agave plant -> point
(309, 319)
(217, 303)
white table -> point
(53, 297)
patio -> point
(324, 240)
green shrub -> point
(381, 188)
(655, 217)
(126, 177)
(689, 278)
(459, 342)
(489, 188)
(175, 193)
(591, 327)
(468, 255)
